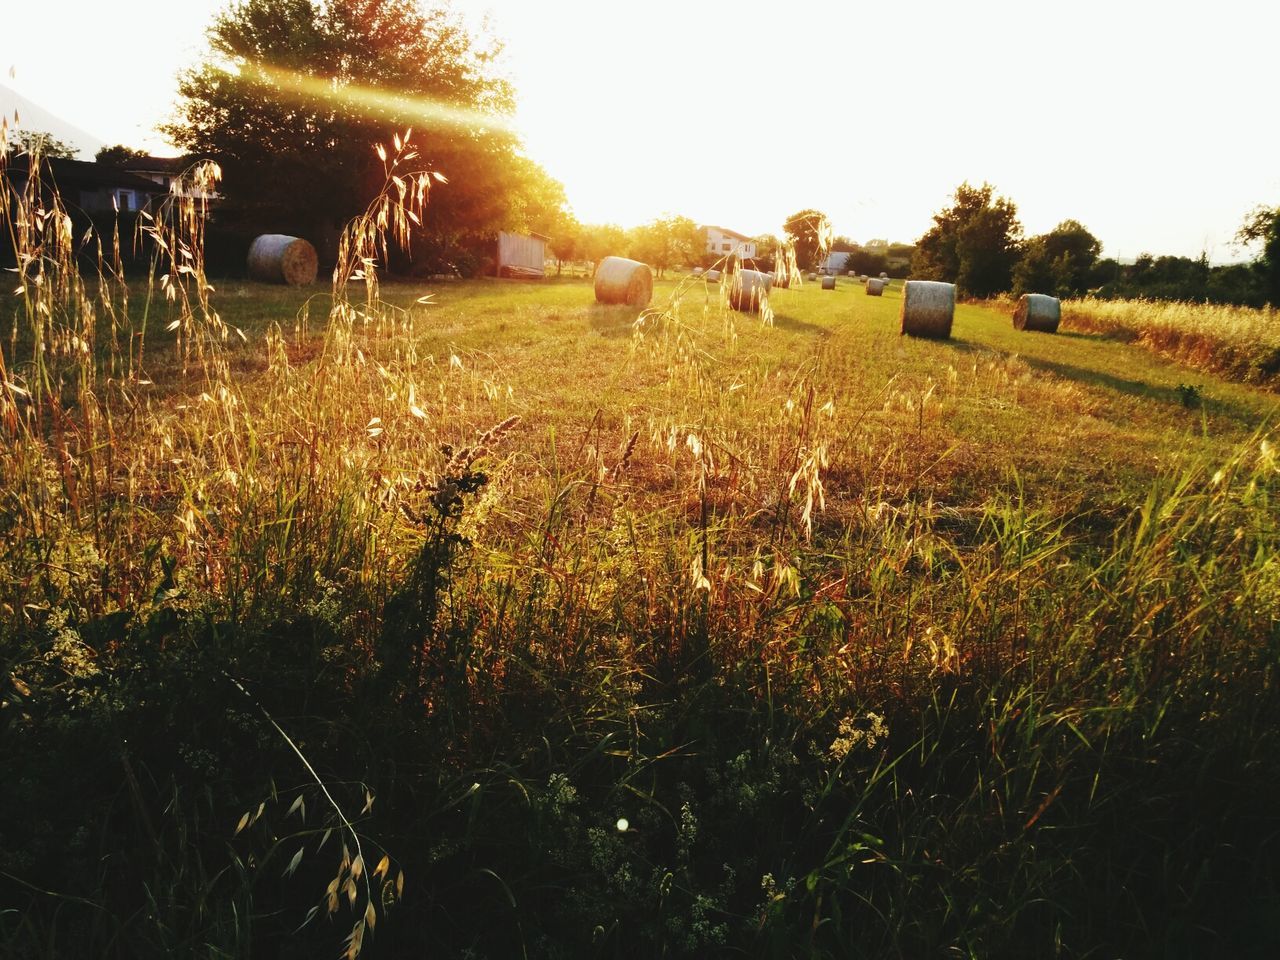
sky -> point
(1152, 123)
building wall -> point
(517, 250)
(722, 245)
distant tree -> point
(666, 242)
(973, 243)
(1262, 227)
(812, 233)
(314, 85)
(862, 260)
(766, 246)
(599, 240)
(566, 240)
(37, 141)
(116, 155)
(1058, 262)
(1103, 272)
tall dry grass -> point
(1242, 343)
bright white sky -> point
(1152, 123)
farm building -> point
(163, 171)
(522, 255)
(93, 187)
(723, 242)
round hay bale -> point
(748, 288)
(828, 283)
(883, 275)
(712, 275)
(1037, 311)
(619, 280)
(277, 258)
(812, 277)
(875, 287)
(697, 271)
(852, 273)
(928, 307)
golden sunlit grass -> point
(1241, 342)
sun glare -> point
(374, 101)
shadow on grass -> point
(612, 322)
(1171, 396)
(1088, 376)
(784, 322)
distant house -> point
(164, 171)
(90, 187)
(521, 255)
(722, 242)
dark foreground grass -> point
(789, 640)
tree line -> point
(294, 94)
(978, 244)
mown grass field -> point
(804, 639)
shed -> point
(522, 255)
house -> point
(90, 187)
(165, 171)
(521, 255)
(722, 243)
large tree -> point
(296, 93)
(811, 231)
(973, 243)
(1059, 262)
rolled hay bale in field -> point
(619, 280)
(828, 283)
(712, 275)
(277, 258)
(812, 277)
(851, 273)
(697, 271)
(748, 288)
(884, 276)
(875, 287)
(928, 307)
(863, 278)
(1037, 311)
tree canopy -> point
(1059, 262)
(812, 233)
(667, 242)
(1262, 226)
(973, 243)
(295, 94)
(38, 141)
(117, 154)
